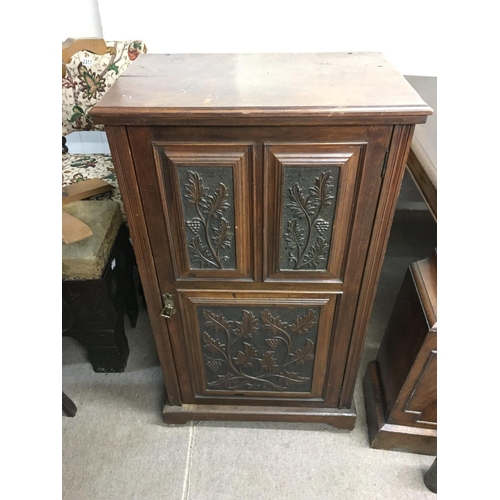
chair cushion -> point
(85, 84)
(77, 168)
(86, 259)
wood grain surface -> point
(228, 86)
(84, 189)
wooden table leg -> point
(68, 406)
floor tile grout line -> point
(187, 470)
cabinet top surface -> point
(286, 86)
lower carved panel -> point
(258, 348)
(267, 346)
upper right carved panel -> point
(308, 211)
(308, 222)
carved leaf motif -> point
(317, 252)
(247, 326)
(273, 323)
(216, 203)
(216, 321)
(299, 204)
(209, 208)
(200, 252)
(194, 188)
(293, 378)
(222, 238)
(250, 365)
(307, 212)
(213, 345)
(246, 357)
(268, 361)
(300, 356)
(294, 235)
(322, 190)
(222, 380)
(303, 323)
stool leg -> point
(131, 299)
(430, 478)
(141, 294)
(111, 358)
(68, 406)
(131, 294)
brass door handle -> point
(168, 306)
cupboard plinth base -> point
(338, 418)
(385, 436)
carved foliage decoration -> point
(308, 217)
(209, 217)
(259, 349)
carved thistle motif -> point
(211, 230)
(259, 350)
(307, 231)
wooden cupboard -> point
(259, 190)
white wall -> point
(403, 31)
(85, 23)
(405, 34)
(82, 19)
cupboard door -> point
(259, 345)
(310, 191)
(204, 192)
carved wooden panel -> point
(259, 348)
(208, 213)
(248, 344)
(310, 201)
(205, 194)
(307, 212)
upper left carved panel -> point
(206, 190)
(207, 196)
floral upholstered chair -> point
(90, 67)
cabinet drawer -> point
(257, 345)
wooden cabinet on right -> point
(400, 385)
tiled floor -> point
(116, 448)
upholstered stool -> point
(98, 285)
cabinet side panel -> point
(365, 198)
(162, 245)
(391, 184)
(127, 180)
